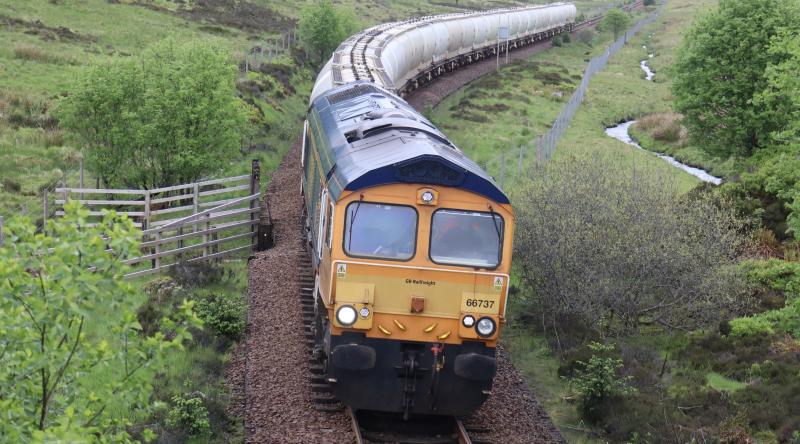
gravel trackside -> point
(278, 404)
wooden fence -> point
(182, 223)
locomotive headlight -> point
(468, 321)
(346, 315)
(485, 327)
(427, 197)
(364, 312)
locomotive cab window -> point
(380, 231)
(466, 238)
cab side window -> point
(323, 206)
(329, 225)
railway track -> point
(374, 427)
(377, 428)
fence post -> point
(255, 188)
(146, 218)
(157, 259)
(205, 234)
(81, 180)
(44, 210)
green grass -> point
(531, 355)
(722, 384)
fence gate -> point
(182, 223)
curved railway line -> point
(285, 395)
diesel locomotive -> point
(412, 245)
(411, 240)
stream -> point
(620, 132)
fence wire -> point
(546, 144)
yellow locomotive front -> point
(412, 267)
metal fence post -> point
(255, 188)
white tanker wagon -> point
(401, 56)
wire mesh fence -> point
(269, 49)
(545, 145)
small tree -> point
(617, 21)
(166, 117)
(322, 27)
(620, 249)
(598, 379)
(69, 352)
(720, 70)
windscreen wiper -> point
(352, 219)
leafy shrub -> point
(189, 413)
(566, 38)
(557, 40)
(224, 313)
(598, 379)
(751, 326)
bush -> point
(556, 40)
(751, 326)
(224, 313)
(619, 249)
(566, 38)
(598, 380)
(189, 414)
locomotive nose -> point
(410, 377)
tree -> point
(720, 70)
(169, 116)
(322, 28)
(781, 97)
(617, 21)
(72, 358)
(619, 249)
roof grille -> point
(429, 170)
(351, 93)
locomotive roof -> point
(367, 136)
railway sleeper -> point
(321, 387)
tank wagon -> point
(402, 56)
(411, 240)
